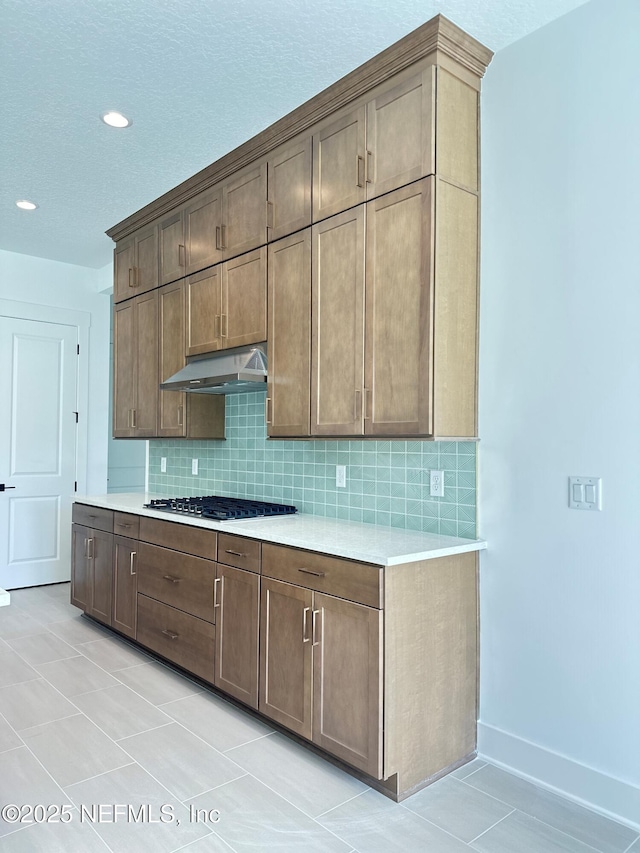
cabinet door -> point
(289, 189)
(289, 339)
(146, 259)
(202, 220)
(204, 310)
(237, 604)
(399, 295)
(124, 263)
(285, 655)
(337, 348)
(125, 585)
(244, 212)
(401, 134)
(339, 165)
(244, 300)
(171, 406)
(172, 248)
(80, 568)
(145, 412)
(347, 681)
(100, 550)
(124, 368)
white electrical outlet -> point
(163, 464)
(194, 466)
(436, 484)
(341, 476)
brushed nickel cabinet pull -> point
(133, 419)
(182, 255)
(270, 214)
(132, 559)
(90, 549)
(218, 237)
(132, 278)
(216, 603)
(357, 405)
(266, 410)
(235, 553)
(223, 235)
(309, 572)
(369, 170)
(170, 634)
(86, 548)
(305, 627)
(359, 171)
(180, 415)
(365, 396)
(119, 523)
(217, 328)
(171, 578)
(224, 325)
(314, 640)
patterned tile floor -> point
(121, 753)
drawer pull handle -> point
(314, 639)
(170, 634)
(170, 578)
(235, 553)
(309, 572)
(305, 626)
(132, 562)
(122, 524)
(216, 603)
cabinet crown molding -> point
(437, 37)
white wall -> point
(560, 395)
(35, 280)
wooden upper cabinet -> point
(171, 310)
(172, 247)
(337, 359)
(289, 339)
(124, 368)
(202, 220)
(204, 311)
(136, 264)
(399, 296)
(289, 189)
(401, 134)
(124, 269)
(457, 154)
(339, 165)
(244, 299)
(244, 212)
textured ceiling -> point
(198, 77)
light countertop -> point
(5, 598)
(367, 543)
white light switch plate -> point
(194, 466)
(585, 493)
(341, 476)
(163, 464)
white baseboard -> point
(611, 797)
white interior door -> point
(38, 394)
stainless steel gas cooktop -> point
(220, 508)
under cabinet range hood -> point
(233, 371)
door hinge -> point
(76, 414)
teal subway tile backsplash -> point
(387, 481)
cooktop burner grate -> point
(220, 508)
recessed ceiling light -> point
(23, 204)
(114, 119)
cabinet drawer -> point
(239, 552)
(342, 578)
(126, 524)
(93, 516)
(177, 579)
(177, 636)
(180, 537)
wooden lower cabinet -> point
(92, 572)
(125, 585)
(237, 605)
(321, 673)
(177, 636)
